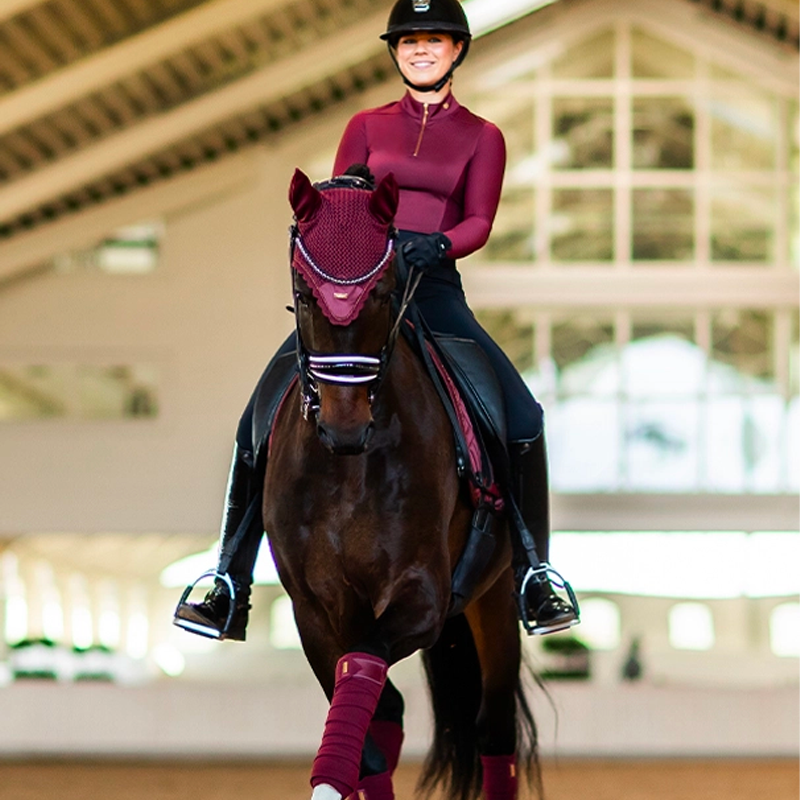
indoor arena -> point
(642, 274)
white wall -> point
(210, 318)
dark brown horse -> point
(366, 519)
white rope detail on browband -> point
(340, 281)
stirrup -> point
(196, 627)
(542, 574)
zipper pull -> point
(421, 129)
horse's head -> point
(342, 257)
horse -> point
(366, 517)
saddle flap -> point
(472, 371)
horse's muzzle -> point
(351, 442)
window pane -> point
(78, 391)
(582, 225)
(131, 250)
(794, 357)
(663, 133)
(744, 340)
(590, 58)
(691, 626)
(600, 623)
(661, 445)
(665, 326)
(743, 127)
(663, 224)
(577, 344)
(655, 58)
(583, 133)
(784, 630)
(34, 392)
(513, 336)
(742, 223)
(793, 136)
(794, 225)
(662, 361)
(117, 392)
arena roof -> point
(99, 98)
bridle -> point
(345, 369)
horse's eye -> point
(302, 299)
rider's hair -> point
(361, 171)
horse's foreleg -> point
(382, 747)
(493, 621)
(359, 681)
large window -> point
(670, 401)
(631, 155)
(78, 391)
(626, 148)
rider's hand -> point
(426, 251)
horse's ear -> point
(383, 203)
(304, 198)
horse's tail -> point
(454, 679)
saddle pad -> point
(483, 488)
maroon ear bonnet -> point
(343, 241)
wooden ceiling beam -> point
(278, 80)
(130, 56)
(10, 8)
(74, 232)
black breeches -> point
(444, 307)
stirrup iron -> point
(544, 573)
(207, 630)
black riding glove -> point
(426, 251)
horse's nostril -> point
(351, 442)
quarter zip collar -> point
(426, 113)
(416, 109)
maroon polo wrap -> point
(344, 242)
(360, 678)
(499, 777)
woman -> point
(449, 164)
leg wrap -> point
(499, 777)
(389, 738)
(359, 681)
(375, 787)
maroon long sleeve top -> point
(448, 162)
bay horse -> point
(366, 517)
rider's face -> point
(424, 57)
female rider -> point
(449, 165)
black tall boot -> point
(235, 570)
(546, 611)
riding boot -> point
(546, 611)
(212, 617)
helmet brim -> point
(396, 31)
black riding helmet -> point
(440, 16)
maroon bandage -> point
(499, 777)
(359, 681)
(389, 738)
(375, 787)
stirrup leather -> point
(208, 630)
(545, 574)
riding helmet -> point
(440, 16)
